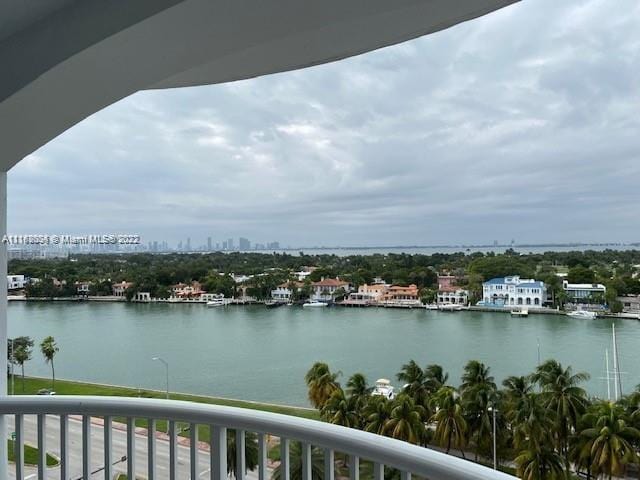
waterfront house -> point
(367, 294)
(630, 303)
(324, 290)
(513, 290)
(183, 290)
(283, 292)
(120, 289)
(593, 293)
(449, 291)
(82, 288)
(17, 282)
(399, 295)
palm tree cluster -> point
(547, 427)
(20, 351)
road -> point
(119, 449)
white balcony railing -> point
(382, 451)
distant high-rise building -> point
(155, 245)
(273, 246)
(209, 244)
(225, 245)
(244, 244)
(230, 244)
(180, 245)
(188, 245)
(217, 246)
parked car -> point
(46, 391)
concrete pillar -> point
(3, 323)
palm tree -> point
(414, 382)
(342, 410)
(562, 394)
(435, 378)
(358, 388)
(479, 395)
(376, 413)
(451, 429)
(295, 464)
(532, 423)
(250, 452)
(20, 356)
(406, 421)
(49, 348)
(542, 463)
(321, 384)
(610, 439)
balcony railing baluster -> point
(173, 451)
(64, 447)
(42, 445)
(131, 448)
(262, 457)
(354, 467)
(378, 471)
(86, 446)
(19, 446)
(329, 464)
(241, 455)
(193, 453)
(306, 461)
(405, 476)
(151, 449)
(284, 459)
(218, 449)
(108, 454)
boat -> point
(273, 304)
(314, 304)
(519, 312)
(384, 388)
(217, 302)
(431, 306)
(584, 314)
(451, 307)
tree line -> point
(547, 426)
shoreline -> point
(111, 299)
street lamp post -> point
(495, 449)
(166, 366)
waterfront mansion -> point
(511, 291)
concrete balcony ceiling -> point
(62, 60)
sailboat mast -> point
(615, 362)
(606, 369)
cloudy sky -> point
(523, 124)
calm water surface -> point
(262, 354)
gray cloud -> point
(522, 124)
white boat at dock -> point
(218, 302)
(314, 304)
(584, 314)
(383, 388)
(451, 307)
(431, 306)
(519, 312)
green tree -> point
(414, 382)
(479, 395)
(435, 378)
(581, 274)
(451, 426)
(376, 413)
(49, 348)
(295, 464)
(540, 463)
(321, 384)
(250, 452)
(610, 439)
(20, 356)
(406, 421)
(563, 395)
(342, 410)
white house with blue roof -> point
(512, 291)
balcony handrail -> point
(368, 446)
